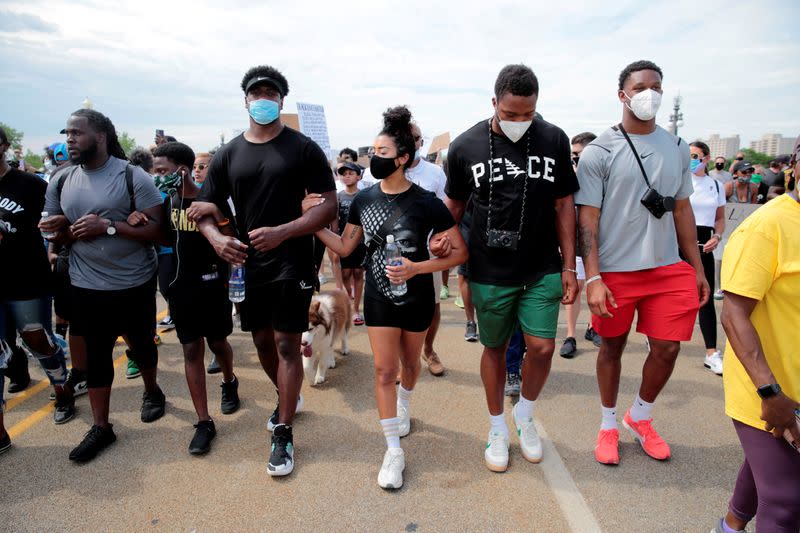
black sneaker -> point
(5, 443)
(569, 349)
(95, 441)
(230, 397)
(213, 367)
(204, 433)
(65, 411)
(153, 405)
(17, 371)
(272, 421)
(591, 335)
(281, 458)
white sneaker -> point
(405, 420)
(529, 441)
(496, 453)
(713, 362)
(391, 474)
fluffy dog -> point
(329, 319)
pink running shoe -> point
(652, 443)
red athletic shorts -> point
(665, 298)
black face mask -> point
(382, 167)
(719, 166)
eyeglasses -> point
(748, 171)
(739, 159)
(695, 156)
(200, 166)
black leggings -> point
(708, 313)
(105, 315)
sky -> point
(178, 65)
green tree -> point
(127, 142)
(33, 161)
(14, 136)
(756, 158)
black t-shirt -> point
(197, 265)
(550, 176)
(24, 269)
(267, 183)
(370, 209)
(345, 199)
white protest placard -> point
(313, 124)
(734, 215)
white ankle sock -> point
(525, 407)
(498, 424)
(609, 418)
(641, 410)
(391, 430)
(403, 396)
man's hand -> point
(199, 210)
(312, 200)
(53, 224)
(230, 249)
(137, 218)
(89, 227)
(266, 239)
(703, 290)
(403, 272)
(569, 286)
(52, 258)
(711, 244)
(778, 413)
(597, 293)
(440, 245)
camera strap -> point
(635, 153)
(402, 205)
(491, 181)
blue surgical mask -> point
(695, 165)
(264, 111)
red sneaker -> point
(606, 451)
(652, 443)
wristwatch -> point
(718, 236)
(112, 228)
(768, 391)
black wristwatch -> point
(768, 391)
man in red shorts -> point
(634, 215)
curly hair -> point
(397, 125)
(141, 157)
(518, 80)
(636, 66)
(178, 153)
(269, 72)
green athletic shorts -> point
(499, 308)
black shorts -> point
(62, 295)
(355, 259)
(280, 306)
(415, 316)
(200, 310)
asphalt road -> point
(147, 481)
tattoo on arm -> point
(585, 241)
(354, 232)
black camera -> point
(657, 204)
(507, 240)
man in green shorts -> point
(517, 169)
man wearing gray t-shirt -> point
(112, 263)
(634, 215)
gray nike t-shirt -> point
(105, 262)
(630, 238)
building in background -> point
(773, 144)
(723, 146)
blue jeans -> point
(31, 315)
(515, 351)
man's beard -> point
(85, 155)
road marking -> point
(572, 503)
(32, 419)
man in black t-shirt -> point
(518, 173)
(267, 171)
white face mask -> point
(514, 130)
(645, 104)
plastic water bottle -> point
(236, 284)
(394, 258)
(47, 234)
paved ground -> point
(148, 482)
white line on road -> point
(570, 500)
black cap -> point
(257, 80)
(741, 166)
(347, 165)
(64, 131)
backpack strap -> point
(129, 185)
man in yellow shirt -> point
(761, 281)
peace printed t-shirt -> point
(762, 262)
(549, 174)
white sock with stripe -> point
(391, 430)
